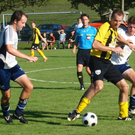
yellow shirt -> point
(35, 33)
(107, 36)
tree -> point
(13, 4)
(103, 6)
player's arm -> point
(17, 53)
(98, 45)
(42, 38)
(29, 39)
(127, 42)
(74, 48)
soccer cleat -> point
(126, 118)
(82, 88)
(131, 110)
(73, 115)
(8, 119)
(45, 59)
(20, 117)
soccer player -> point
(101, 66)
(84, 37)
(120, 61)
(10, 70)
(35, 45)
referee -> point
(84, 37)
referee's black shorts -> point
(83, 57)
(102, 68)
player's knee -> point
(6, 97)
(29, 87)
(98, 88)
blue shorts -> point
(9, 74)
(122, 68)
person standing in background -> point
(35, 45)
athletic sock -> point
(42, 54)
(123, 109)
(5, 109)
(80, 78)
(32, 53)
(132, 101)
(21, 106)
(83, 103)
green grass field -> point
(56, 93)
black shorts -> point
(83, 57)
(35, 46)
(102, 68)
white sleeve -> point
(9, 33)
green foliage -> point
(13, 4)
(103, 6)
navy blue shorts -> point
(9, 74)
(122, 68)
(83, 57)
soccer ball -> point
(89, 119)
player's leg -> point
(5, 91)
(123, 99)
(129, 75)
(96, 87)
(80, 76)
(42, 54)
(24, 81)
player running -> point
(10, 70)
(35, 45)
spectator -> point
(50, 41)
(43, 43)
(62, 39)
(71, 39)
(79, 24)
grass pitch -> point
(56, 93)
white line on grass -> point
(37, 80)
(49, 69)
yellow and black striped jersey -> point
(35, 33)
(107, 36)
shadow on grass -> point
(49, 88)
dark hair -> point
(17, 15)
(82, 15)
(117, 11)
(131, 20)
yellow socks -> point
(84, 102)
(123, 109)
(42, 54)
(32, 53)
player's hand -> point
(118, 50)
(73, 51)
(34, 59)
(132, 47)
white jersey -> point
(77, 26)
(8, 36)
(122, 59)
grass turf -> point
(56, 93)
